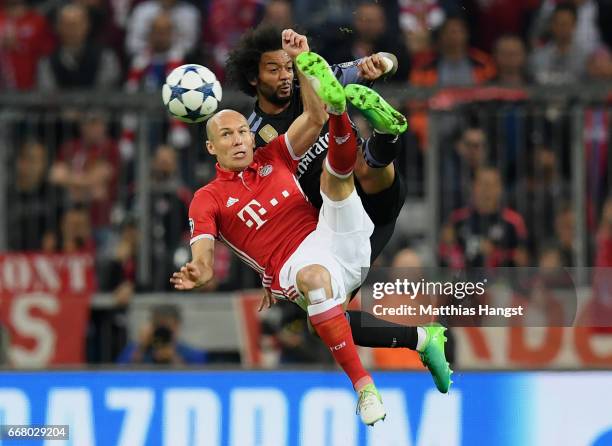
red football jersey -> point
(261, 212)
(25, 40)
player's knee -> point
(336, 189)
(314, 279)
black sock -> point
(381, 149)
(369, 331)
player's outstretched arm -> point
(199, 271)
(377, 65)
(366, 70)
(305, 130)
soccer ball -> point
(191, 93)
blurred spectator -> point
(455, 63)
(100, 19)
(368, 36)
(459, 167)
(490, 19)
(549, 257)
(148, 71)
(284, 328)
(596, 139)
(170, 200)
(564, 234)
(185, 19)
(107, 333)
(105, 28)
(510, 56)
(484, 234)
(120, 277)
(601, 277)
(418, 19)
(25, 37)
(75, 232)
(227, 20)
(420, 15)
(599, 65)
(77, 63)
(120, 11)
(316, 15)
(548, 290)
(419, 46)
(587, 32)
(35, 205)
(153, 63)
(158, 341)
(563, 59)
(87, 167)
(603, 249)
(539, 194)
(278, 13)
(603, 20)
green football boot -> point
(434, 359)
(370, 407)
(325, 84)
(383, 117)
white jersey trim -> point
(248, 260)
(290, 149)
(197, 238)
(251, 118)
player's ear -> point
(210, 147)
(253, 81)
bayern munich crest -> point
(266, 170)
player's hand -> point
(372, 67)
(294, 44)
(190, 276)
(267, 300)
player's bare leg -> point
(339, 198)
(327, 318)
(373, 180)
(337, 185)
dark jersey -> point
(383, 207)
(504, 230)
(267, 127)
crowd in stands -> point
(131, 44)
(505, 193)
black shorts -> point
(383, 209)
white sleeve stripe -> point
(290, 149)
(197, 238)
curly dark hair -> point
(242, 65)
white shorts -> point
(340, 243)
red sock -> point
(342, 151)
(335, 331)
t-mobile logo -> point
(254, 209)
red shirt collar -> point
(224, 174)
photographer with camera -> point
(158, 341)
